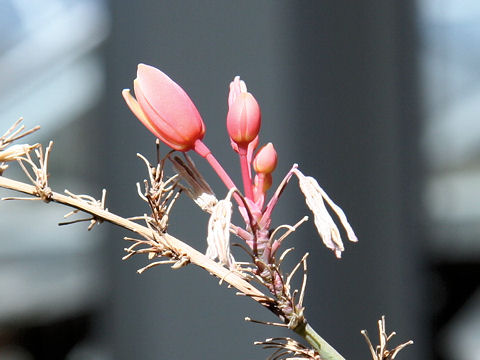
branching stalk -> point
(303, 329)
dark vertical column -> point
(358, 134)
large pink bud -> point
(165, 109)
(244, 116)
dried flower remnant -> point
(156, 248)
(15, 132)
(380, 352)
(91, 201)
(39, 178)
(218, 237)
(286, 347)
(198, 189)
(9, 152)
(160, 194)
(328, 230)
(13, 152)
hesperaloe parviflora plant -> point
(168, 112)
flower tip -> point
(145, 71)
(144, 67)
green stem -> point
(324, 349)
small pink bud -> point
(265, 161)
(165, 109)
(244, 116)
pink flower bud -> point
(265, 161)
(165, 109)
(244, 116)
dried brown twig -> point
(168, 241)
(380, 352)
(9, 152)
(159, 194)
(153, 240)
(15, 132)
(40, 172)
(105, 215)
(286, 348)
(90, 201)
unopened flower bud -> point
(265, 161)
(165, 109)
(244, 115)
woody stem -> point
(195, 257)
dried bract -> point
(39, 178)
(154, 248)
(288, 349)
(15, 132)
(13, 152)
(218, 238)
(328, 230)
(89, 200)
(380, 352)
(198, 189)
(10, 152)
(160, 194)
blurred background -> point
(378, 100)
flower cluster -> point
(167, 111)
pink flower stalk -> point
(261, 184)
(165, 109)
(243, 126)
